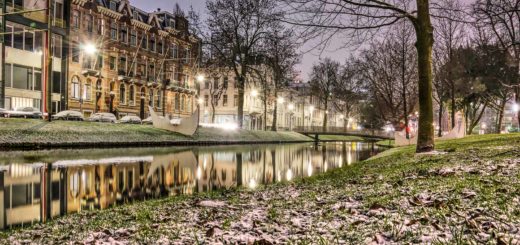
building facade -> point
(23, 57)
(123, 60)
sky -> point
(334, 51)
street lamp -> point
(515, 107)
(254, 93)
(90, 48)
(200, 78)
(281, 100)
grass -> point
(340, 138)
(387, 143)
(468, 194)
(20, 132)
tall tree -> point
(449, 35)
(324, 76)
(502, 19)
(360, 18)
(235, 31)
(281, 56)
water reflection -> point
(35, 186)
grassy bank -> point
(470, 193)
(37, 133)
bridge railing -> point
(342, 130)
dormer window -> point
(113, 6)
(136, 15)
(172, 24)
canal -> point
(38, 185)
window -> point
(18, 38)
(136, 15)
(38, 80)
(56, 81)
(206, 84)
(75, 19)
(56, 45)
(8, 82)
(160, 47)
(206, 99)
(133, 38)
(144, 42)
(131, 97)
(99, 62)
(113, 30)
(123, 34)
(172, 23)
(187, 55)
(100, 23)
(226, 81)
(159, 99)
(89, 23)
(122, 93)
(235, 100)
(75, 53)
(182, 102)
(9, 36)
(143, 93)
(87, 90)
(175, 51)
(29, 41)
(121, 66)
(152, 43)
(151, 72)
(150, 99)
(75, 88)
(113, 6)
(215, 83)
(112, 63)
(224, 100)
(177, 102)
(215, 100)
(58, 11)
(22, 77)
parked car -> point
(103, 117)
(69, 116)
(24, 112)
(130, 119)
(3, 112)
(148, 120)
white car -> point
(24, 112)
(130, 119)
(103, 117)
(69, 116)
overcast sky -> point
(334, 51)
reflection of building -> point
(33, 192)
(120, 56)
(24, 45)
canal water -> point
(38, 185)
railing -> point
(343, 131)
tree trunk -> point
(325, 114)
(441, 110)
(453, 108)
(424, 32)
(500, 115)
(240, 113)
(517, 100)
(212, 111)
(275, 111)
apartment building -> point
(123, 59)
(24, 44)
(296, 106)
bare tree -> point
(361, 18)
(324, 76)
(390, 80)
(235, 30)
(281, 56)
(349, 91)
(449, 35)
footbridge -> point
(373, 134)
